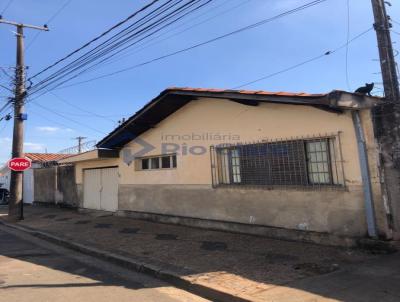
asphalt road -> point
(34, 270)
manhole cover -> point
(63, 219)
(103, 225)
(49, 216)
(129, 231)
(166, 237)
(214, 246)
(82, 222)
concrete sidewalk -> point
(224, 266)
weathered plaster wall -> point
(45, 184)
(337, 212)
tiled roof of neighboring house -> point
(172, 99)
(46, 157)
(248, 92)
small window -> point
(318, 159)
(157, 162)
(145, 163)
(166, 162)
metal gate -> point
(100, 189)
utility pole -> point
(15, 208)
(80, 140)
(388, 119)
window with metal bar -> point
(296, 162)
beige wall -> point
(246, 122)
(190, 193)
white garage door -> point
(100, 189)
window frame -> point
(328, 162)
(172, 160)
(259, 164)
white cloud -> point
(5, 139)
(48, 129)
(33, 147)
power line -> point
(81, 60)
(347, 45)
(49, 119)
(96, 38)
(149, 44)
(254, 25)
(103, 61)
(66, 3)
(303, 62)
(7, 6)
(87, 59)
(80, 108)
(68, 118)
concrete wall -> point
(186, 191)
(337, 212)
(45, 184)
(66, 192)
(56, 185)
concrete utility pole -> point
(15, 208)
(80, 140)
(388, 118)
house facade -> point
(279, 164)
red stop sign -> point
(19, 164)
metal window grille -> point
(306, 162)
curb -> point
(196, 288)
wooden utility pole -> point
(15, 208)
(388, 119)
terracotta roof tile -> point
(248, 92)
(46, 157)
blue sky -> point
(223, 64)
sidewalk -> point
(248, 267)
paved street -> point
(271, 271)
(38, 271)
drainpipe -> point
(366, 179)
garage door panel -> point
(109, 190)
(91, 189)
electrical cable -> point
(104, 52)
(6, 7)
(66, 3)
(327, 53)
(148, 44)
(96, 38)
(251, 26)
(347, 45)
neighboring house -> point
(248, 161)
(39, 160)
